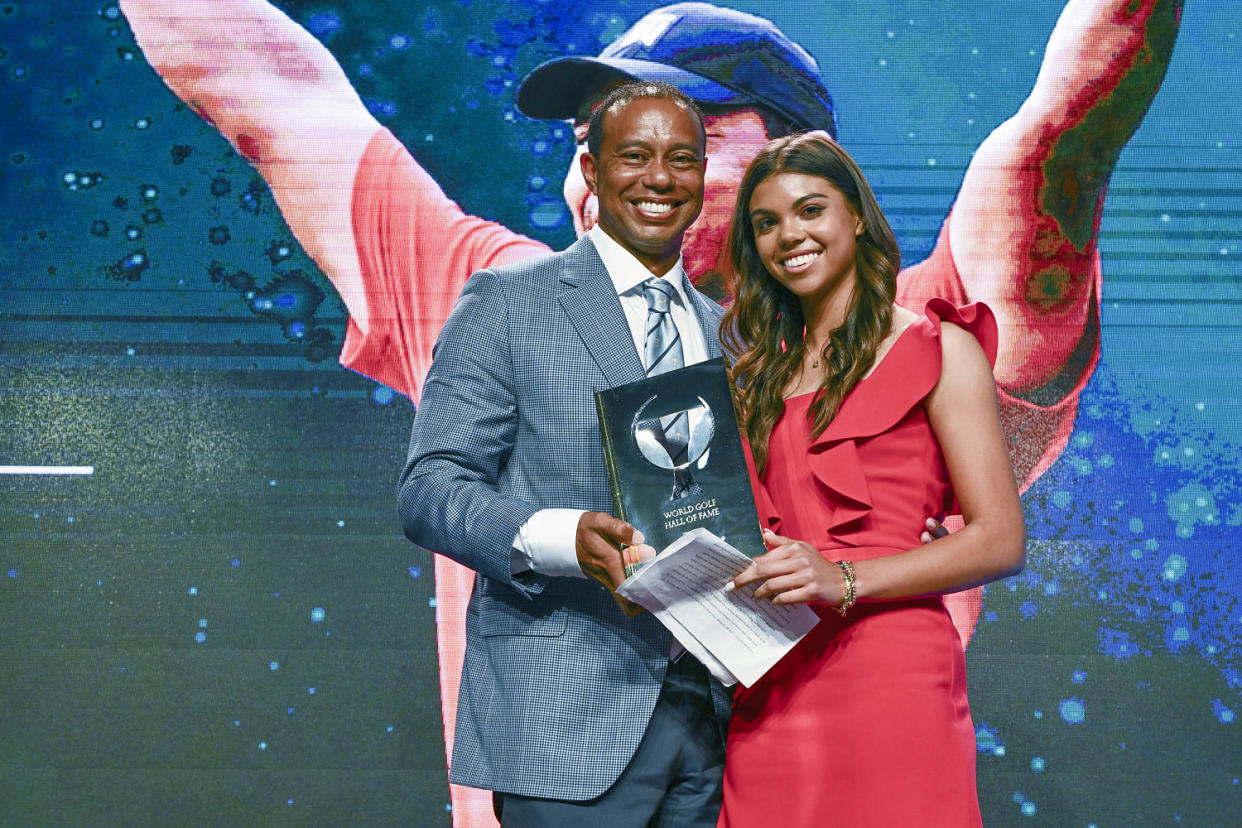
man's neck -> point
(662, 267)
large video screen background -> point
(217, 620)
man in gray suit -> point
(571, 709)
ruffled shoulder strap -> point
(909, 371)
(906, 374)
(977, 318)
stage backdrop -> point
(209, 614)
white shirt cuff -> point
(547, 543)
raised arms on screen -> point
(280, 98)
(1025, 227)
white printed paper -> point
(737, 637)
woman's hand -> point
(793, 572)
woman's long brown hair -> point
(763, 330)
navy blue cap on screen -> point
(714, 55)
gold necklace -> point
(815, 355)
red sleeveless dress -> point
(866, 721)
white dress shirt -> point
(546, 543)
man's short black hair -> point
(621, 95)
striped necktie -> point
(662, 347)
(661, 353)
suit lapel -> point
(589, 299)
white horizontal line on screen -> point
(79, 470)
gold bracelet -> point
(847, 570)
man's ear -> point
(586, 163)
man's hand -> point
(935, 531)
(599, 542)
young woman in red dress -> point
(864, 417)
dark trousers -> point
(673, 781)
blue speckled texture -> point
(223, 625)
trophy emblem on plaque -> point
(683, 423)
(675, 441)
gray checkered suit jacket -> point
(558, 684)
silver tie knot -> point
(658, 293)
